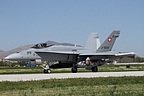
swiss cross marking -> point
(109, 39)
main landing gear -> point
(88, 65)
(74, 69)
(94, 69)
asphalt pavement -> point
(29, 77)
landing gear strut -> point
(46, 69)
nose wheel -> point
(47, 71)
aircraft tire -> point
(47, 71)
(74, 69)
(95, 69)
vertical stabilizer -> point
(109, 42)
(93, 41)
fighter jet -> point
(88, 57)
(61, 56)
(93, 43)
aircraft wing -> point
(125, 54)
(106, 55)
(70, 56)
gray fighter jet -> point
(88, 57)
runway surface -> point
(29, 77)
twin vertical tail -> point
(109, 42)
(93, 41)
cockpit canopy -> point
(41, 45)
(49, 44)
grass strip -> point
(110, 86)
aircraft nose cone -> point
(9, 57)
(12, 56)
(6, 58)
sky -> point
(25, 22)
